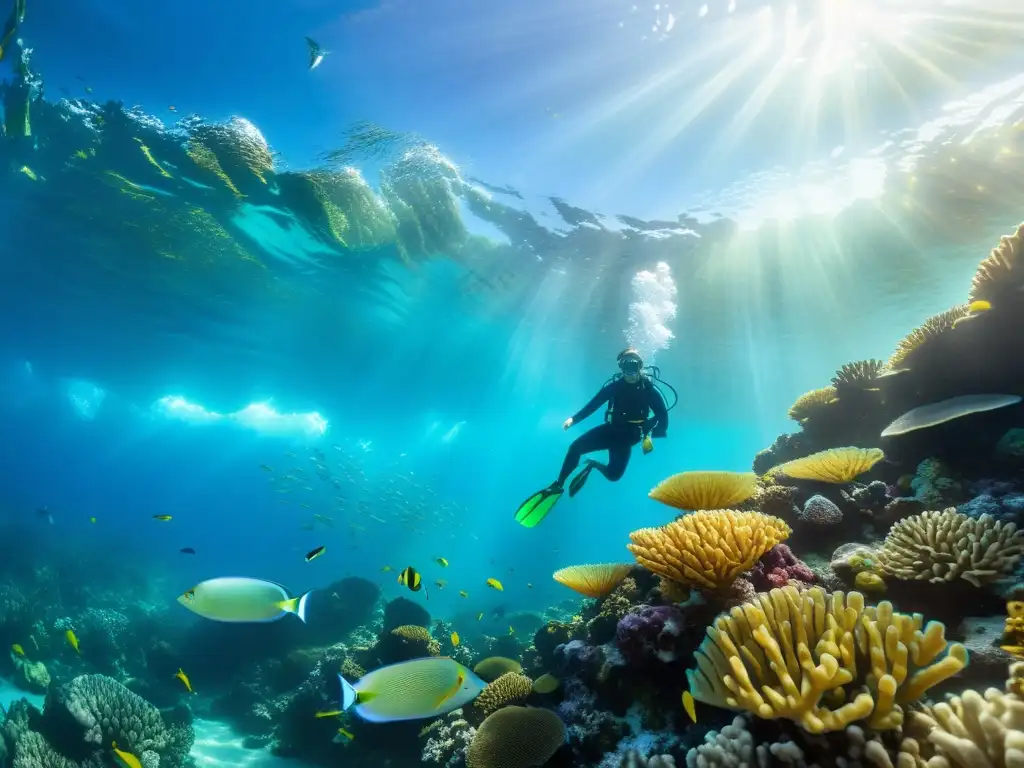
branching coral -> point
(821, 660)
(705, 490)
(516, 737)
(813, 403)
(931, 328)
(996, 278)
(944, 546)
(707, 549)
(732, 747)
(448, 738)
(858, 375)
(836, 465)
(510, 688)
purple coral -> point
(777, 567)
(576, 657)
(820, 510)
(649, 632)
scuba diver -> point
(632, 398)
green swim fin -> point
(536, 508)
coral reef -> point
(516, 737)
(448, 739)
(510, 688)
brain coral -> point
(948, 545)
(493, 667)
(510, 688)
(516, 737)
(707, 549)
(821, 660)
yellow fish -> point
(980, 306)
(346, 735)
(126, 757)
(329, 713)
(495, 584)
(184, 679)
(18, 650)
(162, 518)
(386, 569)
(92, 520)
(463, 593)
(689, 705)
(72, 640)
(511, 631)
(442, 562)
(1015, 609)
(455, 639)
(479, 615)
(29, 172)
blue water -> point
(807, 212)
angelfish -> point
(316, 53)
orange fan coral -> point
(593, 580)
(836, 465)
(707, 549)
(705, 490)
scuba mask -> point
(630, 363)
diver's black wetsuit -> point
(625, 425)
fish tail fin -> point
(349, 696)
(297, 605)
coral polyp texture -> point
(705, 490)
(813, 403)
(821, 660)
(593, 580)
(945, 546)
(707, 549)
(836, 465)
(516, 737)
(858, 375)
(999, 275)
(510, 688)
(925, 334)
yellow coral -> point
(510, 688)
(995, 274)
(418, 637)
(924, 333)
(516, 737)
(546, 683)
(948, 545)
(593, 580)
(812, 403)
(494, 667)
(869, 581)
(705, 490)
(836, 465)
(821, 660)
(707, 549)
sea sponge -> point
(813, 403)
(593, 580)
(707, 549)
(821, 660)
(836, 465)
(995, 277)
(924, 333)
(858, 375)
(705, 490)
(516, 737)
(973, 730)
(510, 688)
(948, 545)
(493, 667)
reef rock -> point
(31, 676)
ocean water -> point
(351, 306)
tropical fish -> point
(18, 650)
(29, 172)
(240, 599)
(329, 522)
(72, 640)
(441, 583)
(980, 306)
(511, 629)
(529, 585)
(162, 518)
(184, 680)
(386, 569)
(313, 554)
(479, 615)
(410, 578)
(316, 53)
(689, 705)
(411, 690)
(92, 520)
(329, 713)
(187, 551)
(45, 513)
(172, 108)
(495, 584)
(343, 736)
(266, 468)
(455, 639)
(442, 562)
(463, 593)
(126, 757)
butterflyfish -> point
(495, 584)
(162, 518)
(180, 674)
(240, 599)
(410, 578)
(72, 640)
(313, 554)
(455, 639)
(411, 690)
(126, 757)
(442, 562)
(689, 705)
